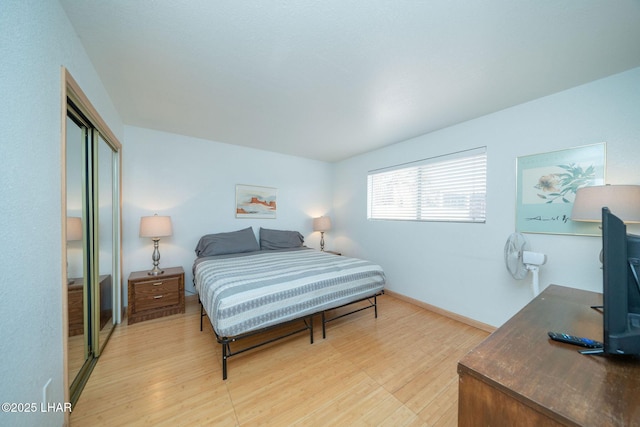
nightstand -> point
(151, 297)
(75, 302)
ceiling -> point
(331, 79)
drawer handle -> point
(158, 296)
(157, 284)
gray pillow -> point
(227, 243)
(280, 239)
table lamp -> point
(322, 224)
(155, 227)
(622, 200)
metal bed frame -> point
(373, 305)
(225, 342)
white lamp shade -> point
(322, 223)
(622, 200)
(74, 228)
(155, 226)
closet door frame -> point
(71, 91)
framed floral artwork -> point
(253, 201)
(546, 186)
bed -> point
(247, 288)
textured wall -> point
(37, 40)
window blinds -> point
(444, 188)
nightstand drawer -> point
(157, 293)
(151, 297)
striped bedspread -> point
(260, 289)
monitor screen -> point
(621, 290)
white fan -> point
(520, 260)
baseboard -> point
(462, 319)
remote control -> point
(570, 339)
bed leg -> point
(324, 329)
(375, 305)
(224, 361)
(201, 314)
(311, 328)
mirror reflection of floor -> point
(76, 356)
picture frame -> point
(254, 201)
(546, 185)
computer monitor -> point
(621, 287)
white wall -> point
(193, 181)
(460, 267)
(36, 39)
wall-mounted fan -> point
(520, 260)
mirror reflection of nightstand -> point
(75, 303)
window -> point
(445, 188)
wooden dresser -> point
(519, 377)
(151, 297)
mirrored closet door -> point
(92, 219)
(78, 354)
(106, 240)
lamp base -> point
(155, 271)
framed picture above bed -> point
(256, 202)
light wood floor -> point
(397, 370)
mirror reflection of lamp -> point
(74, 233)
(322, 224)
(155, 227)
